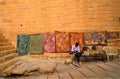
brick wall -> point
(36, 16)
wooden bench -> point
(101, 57)
(95, 53)
(93, 57)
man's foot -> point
(76, 64)
(73, 62)
(80, 63)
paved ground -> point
(88, 70)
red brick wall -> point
(35, 16)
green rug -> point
(22, 43)
(35, 44)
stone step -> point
(4, 40)
(5, 43)
(6, 52)
(1, 36)
(7, 64)
(2, 48)
(8, 57)
(52, 55)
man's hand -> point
(71, 52)
(75, 51)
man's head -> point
(76, 44)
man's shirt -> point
(75, 48)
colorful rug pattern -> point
(49, 42)
(113, 35)
(76, 37)
(22, 44)
(36, 44)
(62, 42)
(95, 38)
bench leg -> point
(108, 58)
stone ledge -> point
(25, 65)
(52, 55)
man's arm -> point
(72, 50)
(78, 49)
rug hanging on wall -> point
(35, 44)
(62, 41)
(113, 35)
(49, 42)
(22, 43)
(76, 37)
(95, 38)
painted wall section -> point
(37, 16)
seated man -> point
(76, 50)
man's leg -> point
(74, 58)
(75, 62)
(78, 58)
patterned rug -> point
(95, 38)
(113, 35)
(76, 37)
(35, 44)
(49, 42)
(22, 43)
(62, 42)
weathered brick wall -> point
(35, 16)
